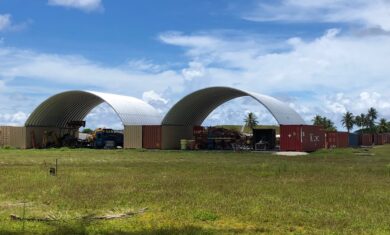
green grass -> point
(327, 192)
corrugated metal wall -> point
(4, 136)
(132, 137)
(18, 137)
(171, 136)
(386, 137)
(313, 138)
(343, 140)
(151, 137)
(336, 139)
(353, 140)
(13, 136)
(290, 138)
(331, 139)
(366, 139)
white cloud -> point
(6, 24)
(326, 75)
(156, 100)
(309, 71)
(144, 65)
(103, 116)
(29, 77)
(194, 70)
(151, 96)
(5, 21)
(73, 70)
(330, 61)
(235, 111)
(13, 119)
(373, 13)
(85, 5)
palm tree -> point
(372, 115)
(383, 126)
(251, 121)
(326, 123)
(348, 121)
(317, 120)
(361, 121)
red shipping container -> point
(379, 139)
(343, 139)
(302, 138)
(331, 140)
(336, 139)
(384, 136)
(387, 138)
(375, 139)
(151, 137)
(366, 139)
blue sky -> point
(322, 57)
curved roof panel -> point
(68, 106)
(195, 107)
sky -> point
(321, 57)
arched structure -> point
(193, 109)
(58, 110)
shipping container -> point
(375, 139)
(172, 135)
(383, 138)
(387, 138)
(353, 140)
(5, 132)
(18, 137)
(366, 139)
(132, 138)
(336, 139)
(151, 137)
(331, 139)
(13, 136)
(379, 139)
(303, 138)
(343, 140)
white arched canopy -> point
(195, 107)
(60, 109)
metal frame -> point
(64, 107)
(194, 108)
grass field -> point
(327, 192)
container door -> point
(151, 137)
(290, 138)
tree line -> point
(366, 122)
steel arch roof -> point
(194, 108)
(67, 106)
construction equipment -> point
(106, 138)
